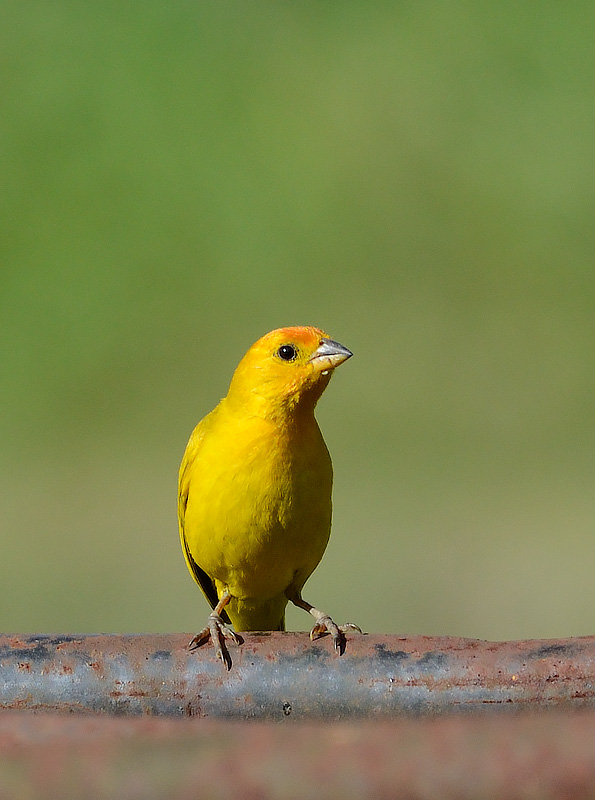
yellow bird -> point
(254, 502)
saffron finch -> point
(255, 483)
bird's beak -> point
(330, 354)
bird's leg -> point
(217, 631)
(324, 623)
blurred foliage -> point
(417, 179)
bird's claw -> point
(217, 631)
(326, 625)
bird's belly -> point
(256, 541)
(259, 508)
(261, 563)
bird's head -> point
(287, 369)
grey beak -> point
(331, 353)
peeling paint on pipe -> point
(285, 676)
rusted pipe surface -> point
(285, 676)
(547, 755)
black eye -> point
(287, 352)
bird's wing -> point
(200, 576)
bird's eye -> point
(287, 352)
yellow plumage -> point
(255, 487)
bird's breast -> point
(259, 506)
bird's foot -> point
(324, 625)
(217, 631)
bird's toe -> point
(325, 625)
(217, 631)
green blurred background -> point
(416, 178)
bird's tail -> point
(282, 623)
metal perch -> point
(284, 675)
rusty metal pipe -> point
(542, 756)
(284, 675)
